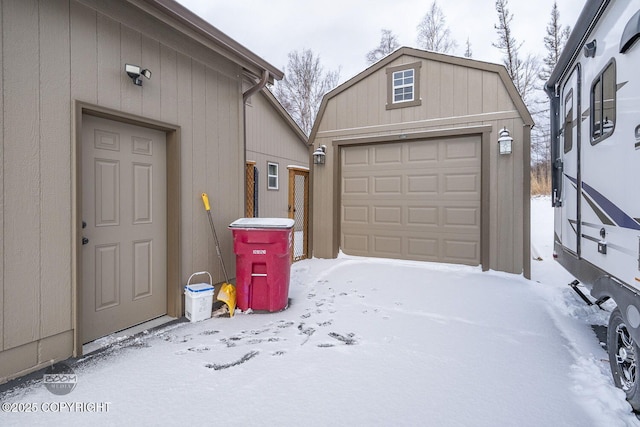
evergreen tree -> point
(554, 42)
(468, 53)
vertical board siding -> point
(131, 53)
(169, 84)
(150, 59)
(2, 205)
(185, 118)
(21, 234)
(55, 166)
(211, 182)
(195, 172)
(52, 54)
(109, 72)
(84, 60)
(271, 139)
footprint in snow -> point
(348, 340)
(243, 359)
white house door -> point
(570, 152)
(124, 219)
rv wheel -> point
(623, 354)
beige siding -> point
(55, 168)
(454, 93)
(56, 52)
(22, 273)
(270, 138)
(2, 157)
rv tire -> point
(623, 358)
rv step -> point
(599, 302)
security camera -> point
(135, 72)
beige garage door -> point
(417, 200)
(124, 209)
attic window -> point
(403, 86)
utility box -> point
(263, 262)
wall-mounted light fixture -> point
(505, 141)
(135, 72)
(319, 155)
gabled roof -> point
(190, 24)
(433, 56)
(285, 115)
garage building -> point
(412, 167)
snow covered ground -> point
(363, 342)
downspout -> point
(245, 97)
(258, 86)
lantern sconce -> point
(505, 141)
(319, 155)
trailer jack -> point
(599, 302)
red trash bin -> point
(263, 262)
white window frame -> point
(399, 82)
(275, 176)
(400, 71)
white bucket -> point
(198, 299)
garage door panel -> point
(423, 216)
(425, 249)
(387, 154)
(355, 214)
(422, 184)
(462, 183)
(387, 245)
(464, 252)
(461, 217)
(356, 156)
(355, 185)
(425, 208)
(387, 184)
(358, 244)
(421, 152)
(387, 215)
(461, 149)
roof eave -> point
(210, 36)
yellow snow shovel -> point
(227, 293)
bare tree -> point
(523, 72)
(388, 43)
(554, 42)
(301, 90)
(433, 33)
(468, 53)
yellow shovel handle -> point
(205, 200)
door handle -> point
(84, 240)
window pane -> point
(273, 182)
(596, 117)
(609, 99)
(568, 123)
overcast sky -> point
(341, 32)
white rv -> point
(595, 128)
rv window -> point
(603, 104)
(568, 122)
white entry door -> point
(124, 219)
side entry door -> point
(569, 228)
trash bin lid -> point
(262, 223)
